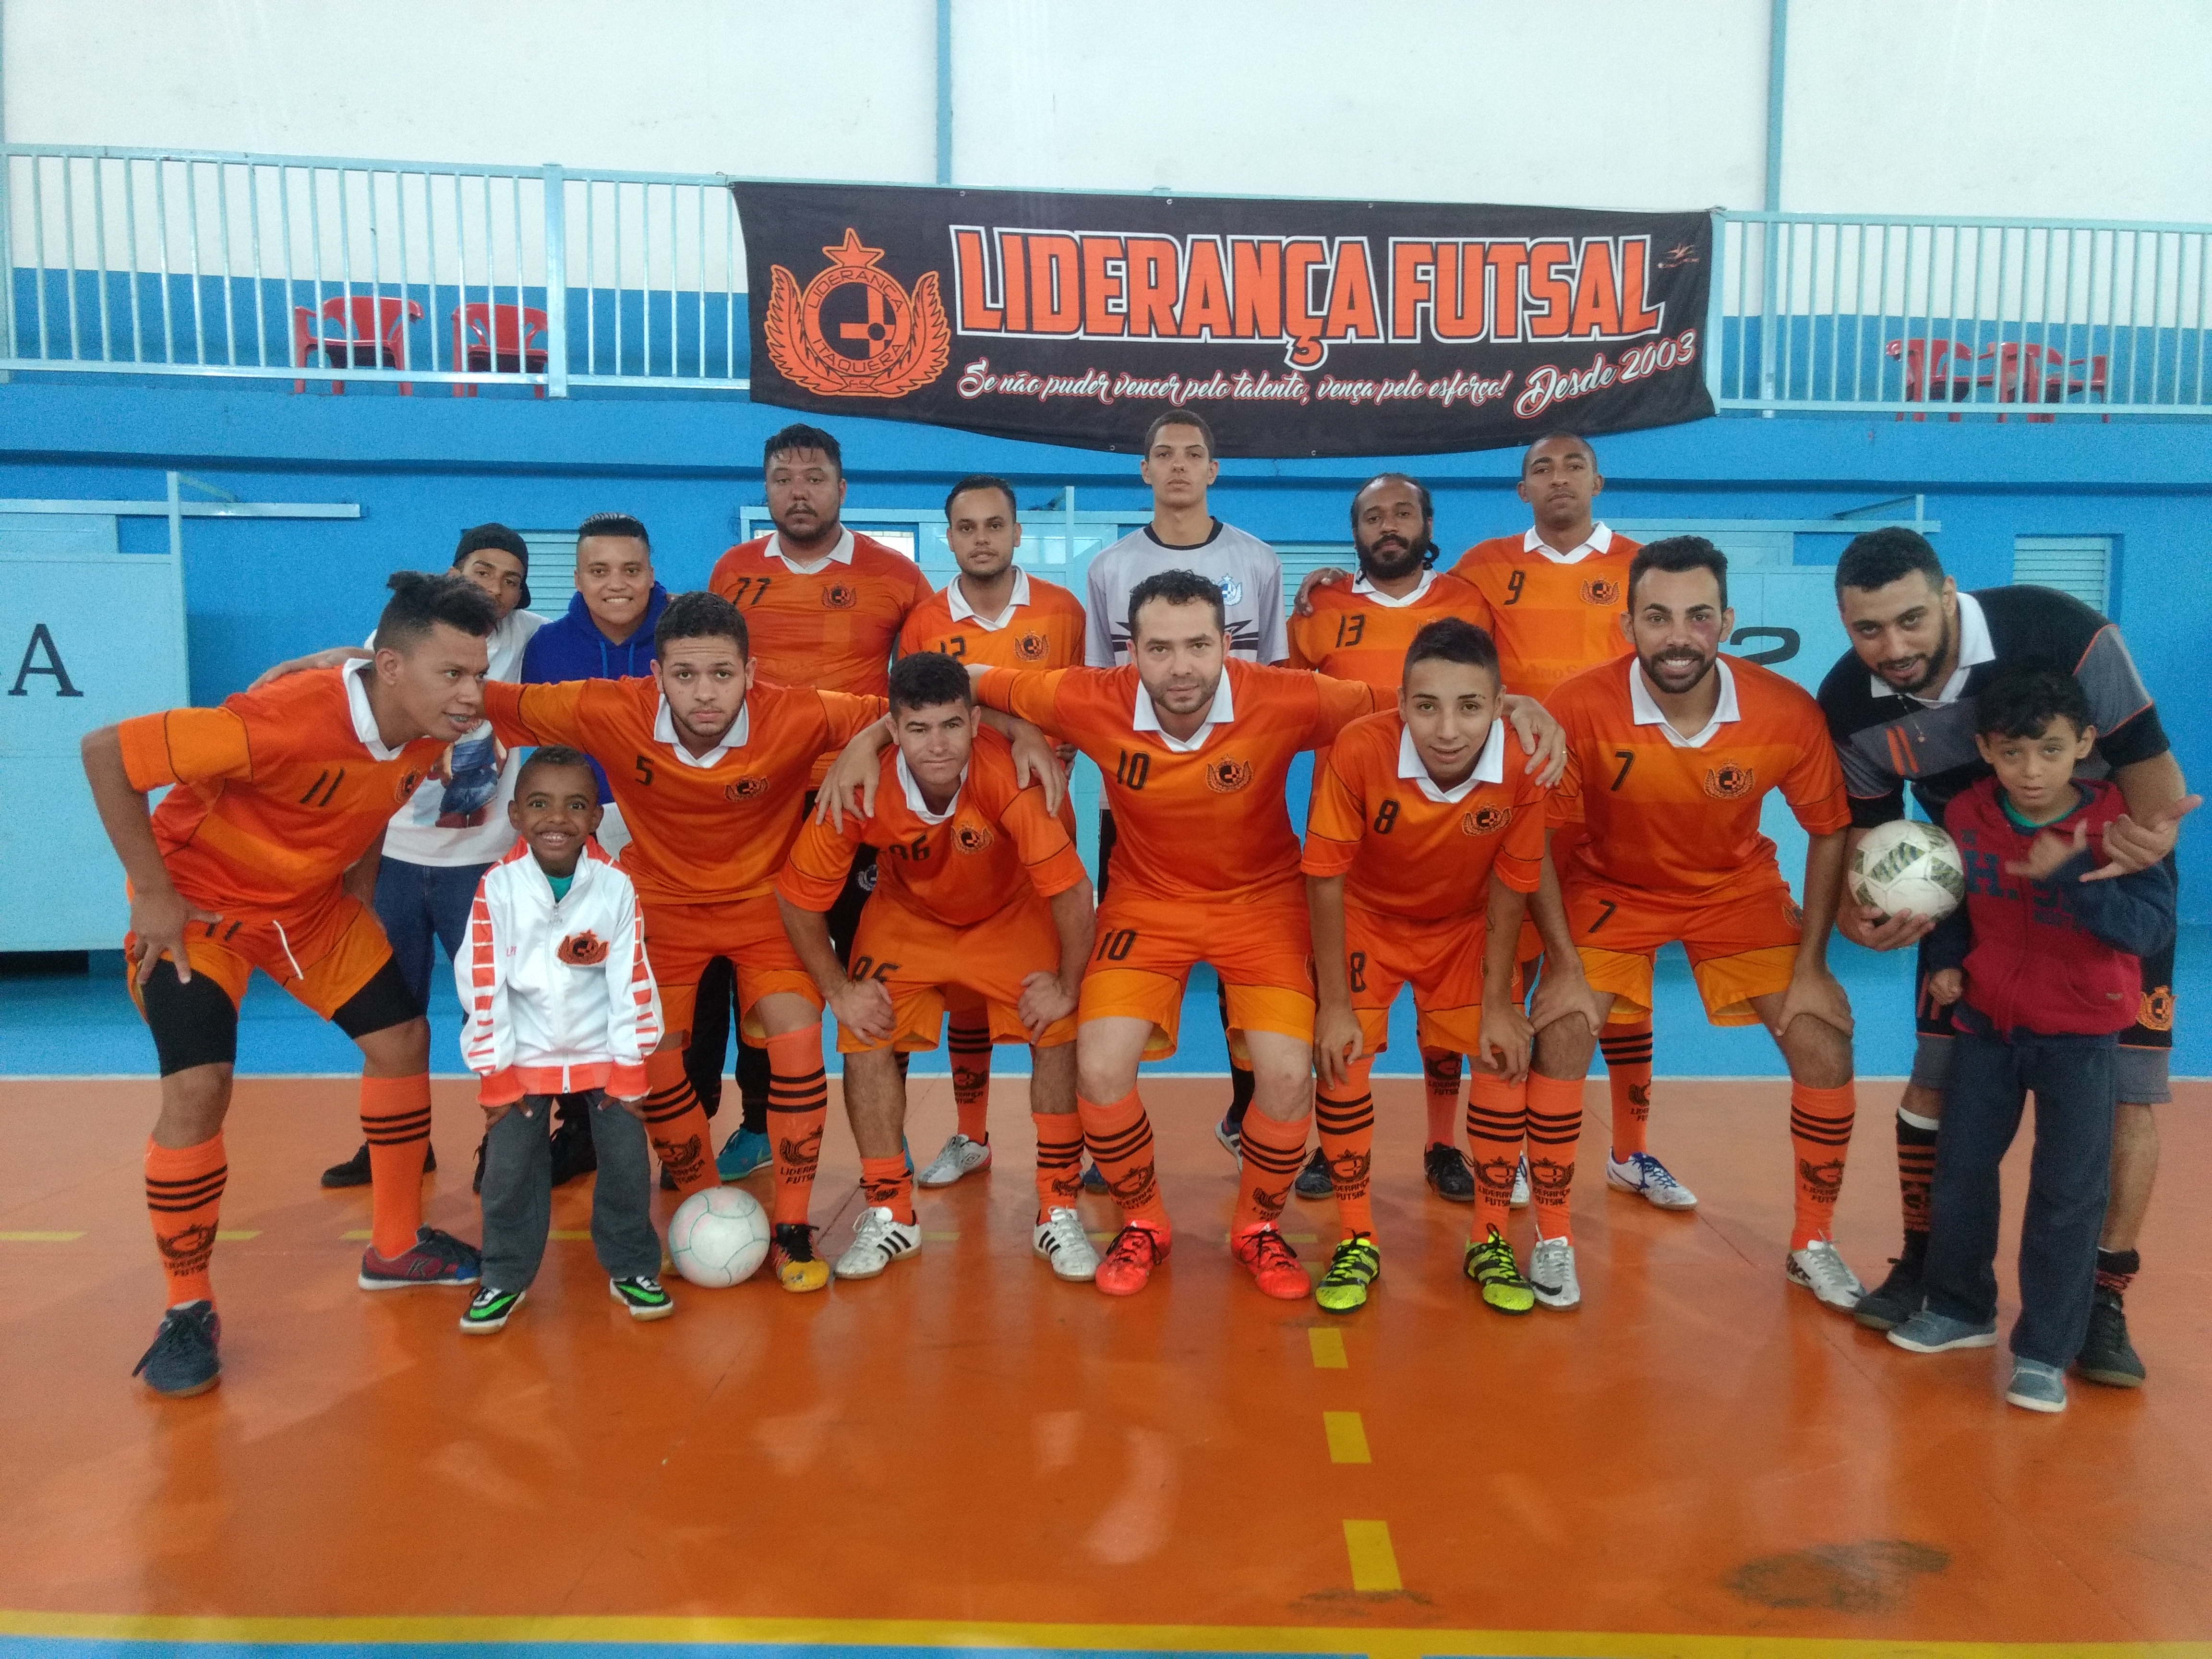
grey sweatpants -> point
(518, 1194)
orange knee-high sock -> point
(395, 1122)
(968, 1041)
(183, 1195)
(1819, 1138)
(798, 1106)
(1120, 1140)
(1058, 1160)
(887, 1184)
(1345, 1114)
(1273, 1154)
(1555, 1124)
(1627, 1051)
(1497, 1122)
(1440, 1078)
(676, 1123)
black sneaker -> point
(1898, 1297)
(1449, 1177)
(183, 1361)
(643, 1295)
(2107, 1356)
(354, 1172)
(489, 1310)
(573, 1154)
(1313, 1181)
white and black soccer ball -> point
(719, 1237)
(1903, 865)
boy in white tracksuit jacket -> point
(559, 1001)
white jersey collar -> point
(1975, 648)
(664, 731)
(1147, 719)
(1489, 766)
(956, 602)
(1647, 712)
(364, 717)
(914, 802)
(1600, 540)
(839, 554)
(1373, 595)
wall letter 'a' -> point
(40, 637)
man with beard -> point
(1361, 630)
(1655, 832)
(1901, 707)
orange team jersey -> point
(1208, 826)
(1402, 853)
(279, 792)
(1356, 634)
(702, 832)
(833, 628)
(1674, 822)
(1043, 630)
(996, 848)
(1551, 621)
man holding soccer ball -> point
(1901, 707)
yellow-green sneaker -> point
(1355, 1265)
(1490, 1264)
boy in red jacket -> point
(2042, 959)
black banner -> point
(1296, 327)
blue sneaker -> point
(1929, 1332)
(183, 1361)
(741, 1154)
(2038, 1387)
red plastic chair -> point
(375, 336)
(498, 339)
(2024, 373)
(1927, 375)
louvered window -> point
(2080, 565)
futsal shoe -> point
(183, 1361)
(2036, 1387)
(1520, 1199)
(879, 1240)
(1444, 1168)
(742, 1153)
(1490, 1265)
(1819, 1267)
(1355, 1265)
(958, 1157)
(1060, 1240)
(646, 1296)
(1552, 1279)
(437, 1257)
(354, 1172)
(1649, 1180)
(1127, 1266)
(1313, 1182)
(1929, 1332)
(1231, 1139)
(1274, 1265)
(1899, 1296)
(791, 1252)
(2107, 1356)
(489, 1310)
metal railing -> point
(275, 268)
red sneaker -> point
(1274, 1265)
(1127, 1265)
(437, 1257)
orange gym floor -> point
(966, 1453)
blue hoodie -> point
(574, 648)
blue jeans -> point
(2071, 1078)
(421, 906)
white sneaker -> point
(1648, 1179)
(1551, 1274)
(1520, 1199)
(878, 1241)
(1060, 1240)
(1819, 1267)
(959, 1157)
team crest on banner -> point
(877, 340)
(1728, 782)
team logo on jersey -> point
(584, 950)
(2156, 1013)
(879, 342)
(1728, 782)
(1232, 591)
(1030, 648)
(972, 837)
(1484, 820)
(1226, 777)
(748, 788)
(1792, 912)
(839, 596)
(410, 781)
(1602, 590)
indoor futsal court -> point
(1246, 511)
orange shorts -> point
(322, 951)
(681, 939)
(1441, 960)
(929, 967)
(1742, 943)
(1147, 946)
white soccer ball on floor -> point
(719, 1237)
(1903, 865)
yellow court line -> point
(1347, 1437)
(1328, 1349)
(358, 1236)
(236, 1235)
(40, 1238)
(1374, 1563)
(1377, 1644)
